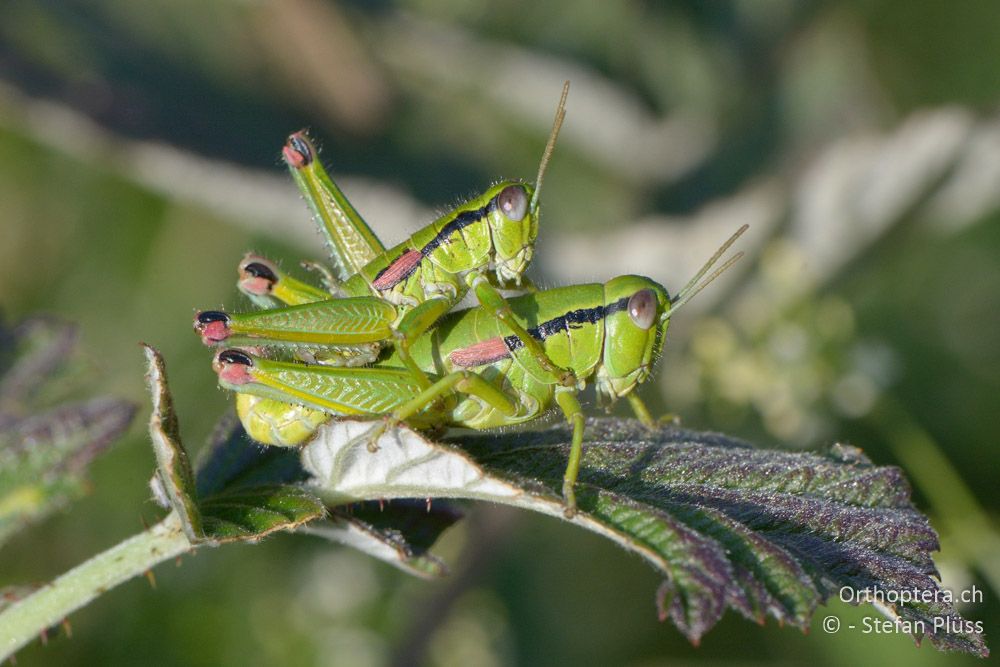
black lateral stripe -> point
(574, 319)
(459, 222)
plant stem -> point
(49, 605)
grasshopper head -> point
(514, 228)
(637, 313)
(634, 325)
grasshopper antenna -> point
(693, 287)
(550, 146)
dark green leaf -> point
(253, 512)
(762, 532)
(232, 459)
(173, 470)
(244, 492)
(30, 354)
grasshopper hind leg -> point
(462, 382)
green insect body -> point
(602, 332)
(395, 297)
(483, 376)
(349, 330)
(400, 294)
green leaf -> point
(174, 479)
(243, 492)
(30, 355)
(253, 512)
(762, 532)
(233, 460)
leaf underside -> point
(400, 532)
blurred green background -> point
(140, 158)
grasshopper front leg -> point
(490, 298)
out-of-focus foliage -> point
(139, 149)
(46, 448)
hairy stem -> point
(49, 605)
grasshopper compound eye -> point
(257, 276)
(213, 325)
(642, 308)
(232, 366)
(513, 201)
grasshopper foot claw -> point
(569, 500)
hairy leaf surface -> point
(762, 532)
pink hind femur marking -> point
(256, 285)
(214, 332)
(235, 374)
(481, 353)
(296, 151)
(398, 271)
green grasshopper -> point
(484, 377)
(484, 244)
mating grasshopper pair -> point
(504, 362)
